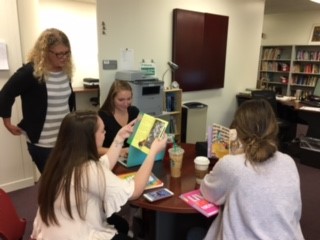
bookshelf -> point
(284, 69)
(172, 111)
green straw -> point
(174, 145)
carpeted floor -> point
(25, 201)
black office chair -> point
(284, 135)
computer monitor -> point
(315, 96)
(316, 91)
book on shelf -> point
(146, 129)
(222, 141)
(195, 199)
(172, 124)
(153, 182)
(170, 102)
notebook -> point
(136, 157)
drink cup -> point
(201, 167)
(169, 145)
(176, 157)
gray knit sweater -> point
(262, 202)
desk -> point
(86, 98)
(171, 213)
(309, 117)
(292, 112)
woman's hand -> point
(124, 152)
(11, 128)
(159, 144)
(142, 176)
(115, 149)
(125, 131)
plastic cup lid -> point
(201, 160)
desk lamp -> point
(173, 67)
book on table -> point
(222, 141)
(153, 182)
(195, 199)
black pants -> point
(39, 155)
(119, 223)
(121, 236)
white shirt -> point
(94, 227)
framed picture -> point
(315, 34)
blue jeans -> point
(39, 155)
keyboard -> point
(311, 103)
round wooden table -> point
(184, 216)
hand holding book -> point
(147, 128)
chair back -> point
(12, 227)
(268, 95)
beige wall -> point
(290, 28)
(146, 26)
(16, 168)
(20, 24)
(78, 20)
(143, 25)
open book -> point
(196, 200)
(146, 129)
(153, 182)
(222, 141)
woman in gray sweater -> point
(258, 190)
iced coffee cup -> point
(176, 157)
(201, 165)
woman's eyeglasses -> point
(61, 54)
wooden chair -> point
(12, 227)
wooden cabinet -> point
(285, 69)
(172, 111)
(199, 44)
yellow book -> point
(146, 129)
(153, 181)
(222, 141)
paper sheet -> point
(126, 59)
(4, 65)
(310, 108)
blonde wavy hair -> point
(39, 54)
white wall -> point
(16, 168)
(78, 20)
(146, 27)
(21, 22)
(142, 25)
(290, 28)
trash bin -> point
(194, 122)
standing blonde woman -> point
(44, 85)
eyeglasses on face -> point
(61, 54)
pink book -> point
(196, 200)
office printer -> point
(147, 91)
(91, 83)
